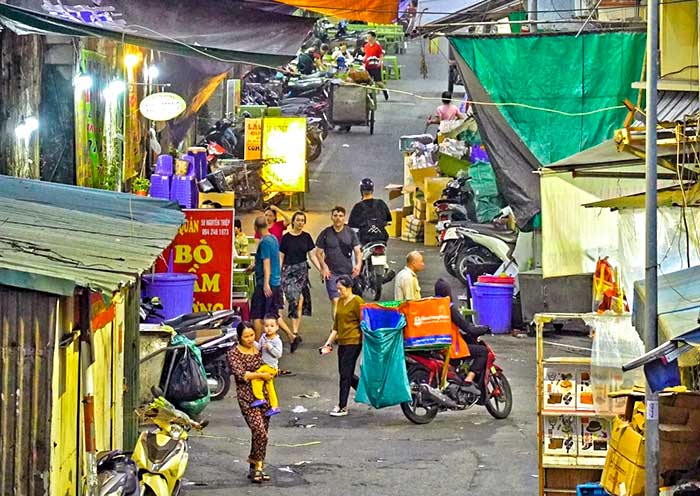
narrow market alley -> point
(373, 451)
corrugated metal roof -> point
(676, 105)
(54, 238)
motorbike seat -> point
(203, 336)
(505, 235)
(186, 319)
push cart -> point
(353, 105)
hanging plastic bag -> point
(188, 381)
(608, 293)
(383, 377)
(615, 343)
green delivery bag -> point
(383, 378)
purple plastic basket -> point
(184, 191)
(164, 165)
(160, 186)
(479, 154)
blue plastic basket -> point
(590, 489)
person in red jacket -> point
(374, 55)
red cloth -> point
(276, 229)
(375, 50)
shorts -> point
(331, 286)
(261, 305)
(376, 74)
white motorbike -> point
(375, 270)
(476, 249)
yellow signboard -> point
(284, 147)
(253, 139)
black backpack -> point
(374, 223)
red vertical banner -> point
(204, 246)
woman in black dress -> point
(244, 360)
(294, 249)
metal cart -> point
(353, 105)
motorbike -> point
(213, 333)
(474, 249)
(162, 451)
(437, 384)
(117, 474)
(375, 271)
(314, 138)
(456, 202)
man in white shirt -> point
(406, 286)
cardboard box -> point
(419, 174)
(412, 229)
(419, 208)
(593, 436)
(584, 392)
(560, 435)
(624, 464)
(226, 200)
(394, 229)
(560, 387)
(433, 186)
(430, 237)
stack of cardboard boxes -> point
(679, 441)
(418, 223)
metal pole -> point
(650, 276)
(532, 14)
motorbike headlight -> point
(176, 431)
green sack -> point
(383, 378)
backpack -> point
(374, 223)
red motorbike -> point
(437, 385)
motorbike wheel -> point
(469, 261)
(313, 147)
(219, 384)
(498, 396)
(377, 282)
(448, 258)
(412, 411)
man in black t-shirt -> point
(370, 216)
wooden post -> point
(21, 63)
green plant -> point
(141, 184)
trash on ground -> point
(311, 395)
(299, 409)
(300, 445)
(285, 469)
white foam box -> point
(559, 387)
(560, 436)
(593, 435)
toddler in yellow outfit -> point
(270, 345)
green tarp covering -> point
(563, 72)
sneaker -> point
(272, 411)
(295, 343)
(338, 412)
(472, 388)
(258, 403)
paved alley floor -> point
(376, 452)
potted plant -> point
(141, 186)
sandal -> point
(284, 372)
(257, 477)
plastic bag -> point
(453, 148)
(188, 381)
(383, 376)
(615, 343)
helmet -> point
(366, 185)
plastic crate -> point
(590, 489)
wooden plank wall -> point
(27, 340)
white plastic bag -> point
(615, 343)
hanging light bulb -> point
(153, 72)
(82, 82)
(131, 59)
(114, 89)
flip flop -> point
(283, 372)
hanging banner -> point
(132, 126)
(162, 106)
(253, 139)
(89, 118)
(204, 246)
(284, 150)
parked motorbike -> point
(314, 138)
(375, 270)
(456, 202)
(117, 474)
(475, 249)
(431, 394)
(162, 451)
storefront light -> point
(25, 128)
(153, 72)
(82, 82)
(114, 89)
(131, 59)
